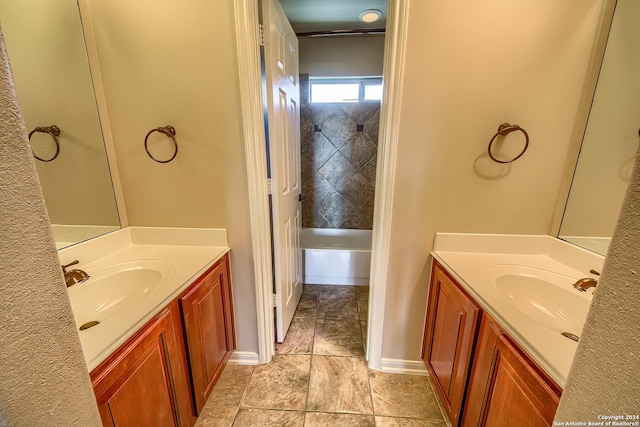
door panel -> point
(207, 317)
(506, 387)
(451, 324)
(149, 367)
(446, 338)
(125, 403)
(513, 395)
(281, 57)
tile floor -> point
(319, 376)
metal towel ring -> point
(168, 130)
(504, 130)
(54, 131)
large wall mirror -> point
(611, 138)
(46, 49)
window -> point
(347, 89)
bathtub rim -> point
(319, 250)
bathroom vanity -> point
(500, 320)
(162, 300)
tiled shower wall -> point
(339, 142)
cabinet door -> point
(208, 324)
(506, 387)
(144, 383)
(450, 330)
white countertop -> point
(468, 256)
(190, 251)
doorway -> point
(249, 66)
(340, 90)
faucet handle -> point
(583, 284)
(64, 267)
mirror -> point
(610, 140)
(46, 49)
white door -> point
(283, 95)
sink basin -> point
(544, 296)
(117, 287)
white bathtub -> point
(336, 257)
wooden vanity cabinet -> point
(207, 312)
(144, 382)
(506, 387)
(450, 331)
(163, 375)
(482, 376)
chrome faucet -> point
(583, 284)
(74, 276)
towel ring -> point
(168, 130)
(54, 131)
(504, 130)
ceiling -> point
(311, 16)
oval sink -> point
(116, 287)
(544, 296)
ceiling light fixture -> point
(370, 15)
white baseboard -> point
(244, 358)
(401, 366)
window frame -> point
(361, 81)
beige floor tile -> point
(325, 419)
(225, 396)
(365, 331)
(299, 339)
(363, 306)
(337, 306)
(311, 289)
(268, 418)
(339, 384)
(308, 306)
(221, 416)
(337, 390)
(362, 290)
(280, 384)
(403, 396)
(341, 290)
(338, 338)
(230, 386)
(407, 422)
(443, 411)
(235, 376)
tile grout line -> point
(313, 345)
(244, 393)
(373, 406)
(312, 355)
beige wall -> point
(470, 67)
(611, 138)
(44, 379)
(164, 63)
(468, 70)
(47, 53)
(341, 56)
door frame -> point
(250, 81)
